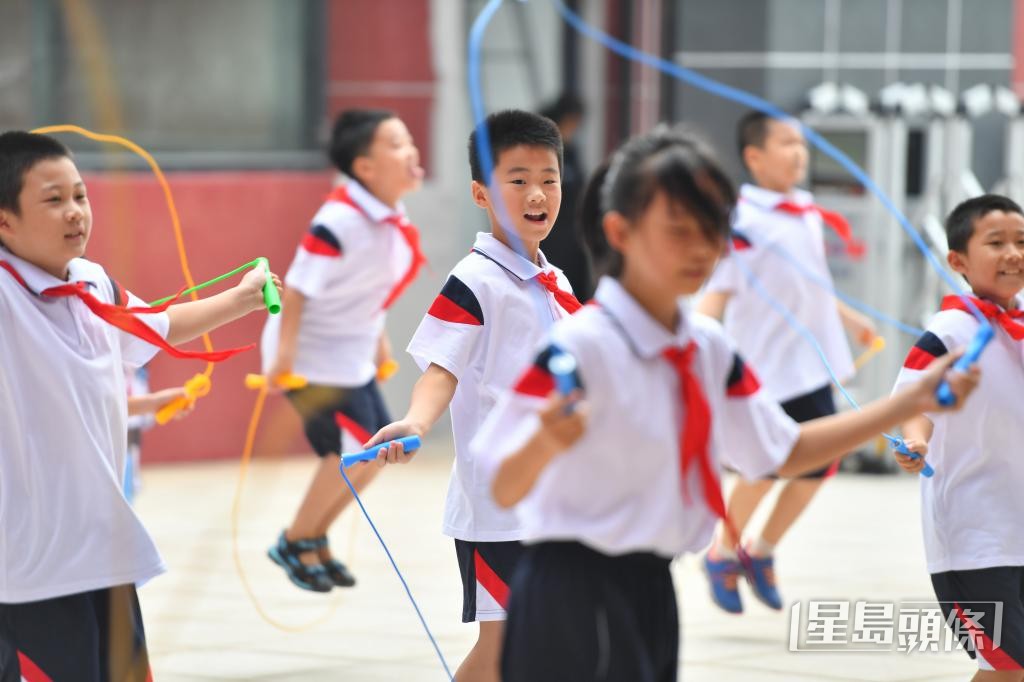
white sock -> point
(720, 551)
(761, 548)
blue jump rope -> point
(564, 377)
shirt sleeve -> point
(515, 417)
(450, 330)
(942, 335)
(728, 277)
(316, 259)
(134, 351)
(758, 435)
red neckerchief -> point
(1005, 318)
(695, 432)
(409, 233)
(839, 224)
(124, 318)
(569, 303)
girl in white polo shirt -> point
(359, 255)
(610, 491)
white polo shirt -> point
(65, 526)
(787, 364)
(618, 489)
(345, 266)
(972, 507)
(483, 327)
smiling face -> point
(529, 185)
(993, 262)
(390, 168)
(54, 219)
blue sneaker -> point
(761, 576)
(724, 578)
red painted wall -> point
(378, 55)
(227, 219)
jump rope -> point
(562, 366)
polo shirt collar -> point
(646, 335)
(489, 246)
(375, 209)
(768, 199)
(37, 279)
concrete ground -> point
(859, 541)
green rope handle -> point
(271, 297)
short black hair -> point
(19, 152)
(960, 223)
(670, 160)
(752, 130)
(353, 134)
(514, 128)
(568, 104)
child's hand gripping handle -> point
(410, 443)
(901, 447)
(271, 296)
(196, 387)
(944, 394)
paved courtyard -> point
(859, 541)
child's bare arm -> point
(431, 396)
(917, 431)
(713, 304)
(293, 303)
(559, 429)
(860, 326)
(823, 440)
(195, 318)
(384, 353)
(151, 402)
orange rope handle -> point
(161, 179)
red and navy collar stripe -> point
(321, 241)
(457, 303)
(742, 381)
(927, 348)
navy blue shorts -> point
(318, 405)
(92, 636)
(969, 601)
(804, 408)
(486, 569)
(577, 614)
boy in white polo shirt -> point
(71, 548)
(774, 217)
(492, 310)
(359, 255)
(976, 558)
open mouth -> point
(1010, 273)
(538, 217)
(76, 234)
